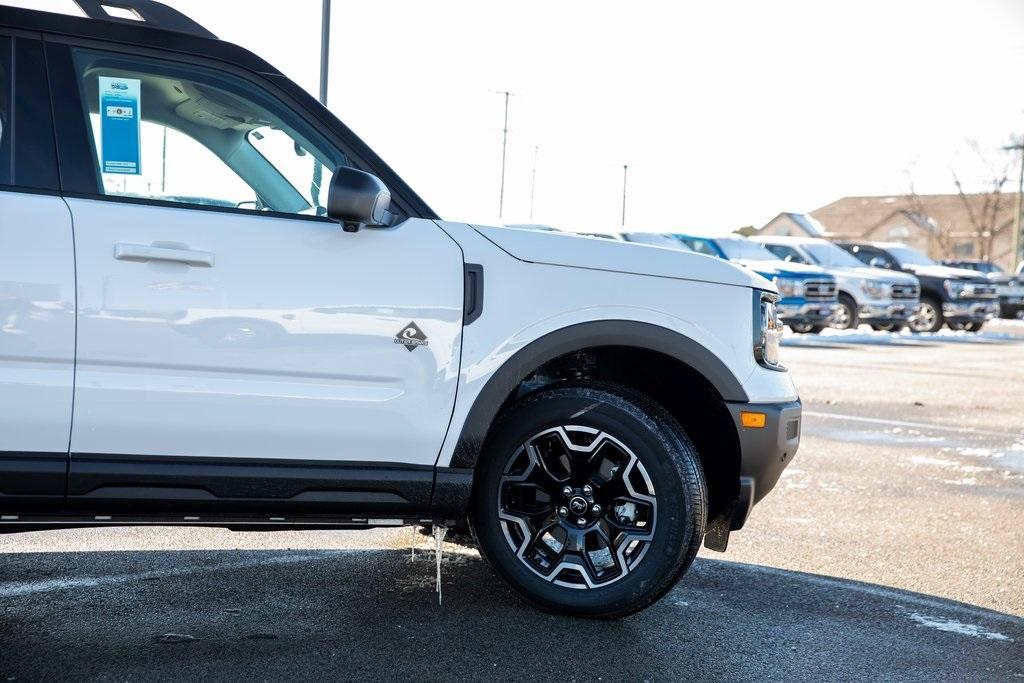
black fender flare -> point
(625, 333)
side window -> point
(6, 112)
(786, 253)
(28, 154)
(181, 133)
(702, 246)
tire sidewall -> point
(678, 527)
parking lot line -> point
(21, 588)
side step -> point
(15, 523)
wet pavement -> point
(892, 548)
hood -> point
(885, 274)
(564, 249)
(947, 273)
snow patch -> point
(954, 626)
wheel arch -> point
(684, 376)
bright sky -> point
(726, 112)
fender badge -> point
(411, 336)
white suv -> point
(221, 308)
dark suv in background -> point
(961, 299)
(1009, 288)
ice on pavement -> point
(439, 534)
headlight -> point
(958, 289)
(876, 289)
(767, 330)
(789, 287)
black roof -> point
(132, 33)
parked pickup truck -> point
(809, 295)
(958, 298)
(284, 335)
(1009, 288)
(884, 299)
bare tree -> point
(985, 218)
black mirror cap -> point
(357, 198)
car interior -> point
(242, 134)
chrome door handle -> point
(142, 252)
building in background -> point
(941, 225)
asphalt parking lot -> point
(892, 549)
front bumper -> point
(970, 311)
(1011, 306)
(811, 312)
(764, 451)
(888, 312)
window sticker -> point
(119, 125)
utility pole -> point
(533, 180)
(625, 171)
(504, 148)
(1015, 237)
(325, 49)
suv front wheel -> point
(589, 499)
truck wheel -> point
(973, 327)
(589, 500)
(846, 317)
(887, 327)
(928, 317)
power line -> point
(504, 149)
(533, 180)
(625, 171)
(325, 48)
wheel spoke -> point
(577, 506)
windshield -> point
(909, 257)
(743, 249)
(828, 254)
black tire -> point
(847, 318)
(888, 327)
(929, 316)
(658, 455)
(974, 327)
(807, 328)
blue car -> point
(808, 294)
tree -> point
(985, 219)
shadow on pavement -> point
(374, 614)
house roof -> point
(856, 216)
(805, 222)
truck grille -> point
(820, 290)
(902, 290)
(985, 290)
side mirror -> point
(356, 198)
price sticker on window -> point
(119, 125)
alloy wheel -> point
(577, 507)
(842, 317)
(925, 318)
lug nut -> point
(595, 508)
(563, 511)
(566, 491)
(581, 521)
(587, 490)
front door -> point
(222, 320)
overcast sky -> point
(726, 112)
